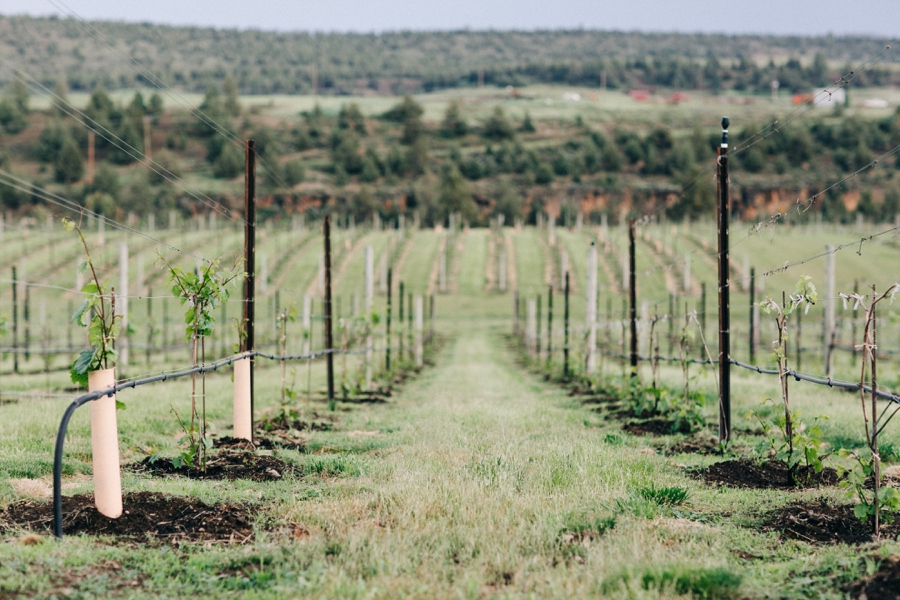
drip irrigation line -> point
(140, 69)
(133, 383)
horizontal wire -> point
(136, 154)
(75, 207)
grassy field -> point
(478, 479)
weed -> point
(663, 496)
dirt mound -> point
(226, 464)
(819, 522)
(743, 473)
(147, 514)
(884, 584)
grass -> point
(477, 480)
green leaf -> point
(861, 511)
(78, 315)
(79, 370)
(120, 405)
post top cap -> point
(725, 122)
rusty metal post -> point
(566, 329)
(329, 339)
(724, 208)
(248, 343)
(632, 300)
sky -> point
(839, 17)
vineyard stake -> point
(724, 208)
(387, 350)
(752, 336)
(248, 343)
(369, 304)
(537, 339)
(702, 315)
(550, 324)
(828, 306)
(400, 317)
(632, 299)
(591, 310)
(26, 316)
(420, 325)
(15, 317)
(566, 329)
(326, 225)
(122, 305)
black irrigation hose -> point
(133, 383)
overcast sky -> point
(840, 17)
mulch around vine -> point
(225, 464)
(884, 584)
(820, 522)
(743, 473)
(147, 516)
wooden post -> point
(702, 317)
(591, 310)
(563, 267)
(632, 300)
(409, 326)
(369, 304)
(26, 316)
(90, 158)
(148, 147)
(853, 322)
(687, 273)
(550, 323)
(420, 328)
(150, 327)
(400, 317)
(15, 321)
(537, 341)
(501, 270)
(249, 343)
(566, 329)
(122, 305)
(442, 270)
(329, 340)
(307, 323)
(724, 208)
(531, 326)
(828, 309)
(752, 337)
(516, 312)
(672, 304)
(387, 350)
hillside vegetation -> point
(411, 62)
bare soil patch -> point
(226, 464)
(744, 473)
(656, 426)
(820, 522)
(884, 584)
(147, 515)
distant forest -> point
(78, 54)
